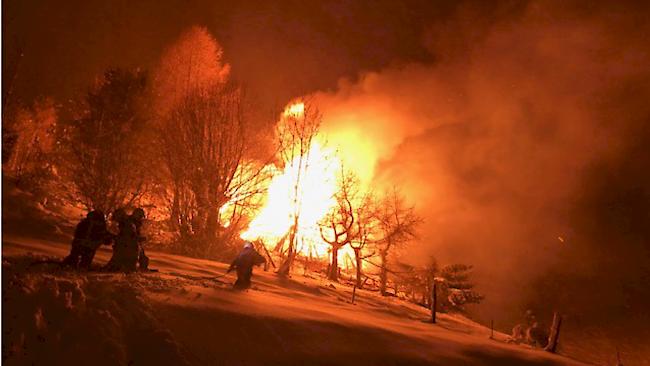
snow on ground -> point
(185, 315)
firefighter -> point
(244, 263)
(89, 235)
(138, 217)
(125, 248)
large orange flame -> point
(315, 197)
(318, 184)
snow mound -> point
(60, 317)
(25, 214)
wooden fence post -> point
(555, 333)
(492, 329)
(434, 301)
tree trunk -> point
(174, 217)
(334, 267)
(383, 273)
(357, 257)
(426, 296)
(212, 223)
(285, 268)
(280, 244)
(555, 333)
(434, 302)
(201, 196)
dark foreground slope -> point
(183, 315)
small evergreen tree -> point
(456, 288)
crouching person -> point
(89, 234)
(244, 263)
(137, 218)
(125, 249)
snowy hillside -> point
(184, 315)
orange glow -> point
(357, 153)
(295, 110)
(318, 184)
(315, 197)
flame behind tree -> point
(297, 132)
(207, 140)
(315, 203)
(338, 228)
(272, 223)
(366, 227)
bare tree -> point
(296, 131)
(366, 227)
(338, 227)
(206, 143)
(396, 225)
(189, 70)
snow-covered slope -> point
(184, 315)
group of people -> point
(92, 232)
(128, 250)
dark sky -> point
(280, 49)
(531, 117)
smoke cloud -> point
(522, 148)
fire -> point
(312, 200)
(356, 152)
(315, 199)
(318, 185)
(295, 110)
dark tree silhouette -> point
(101, 153)
(206, 141)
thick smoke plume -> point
(522, 147)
